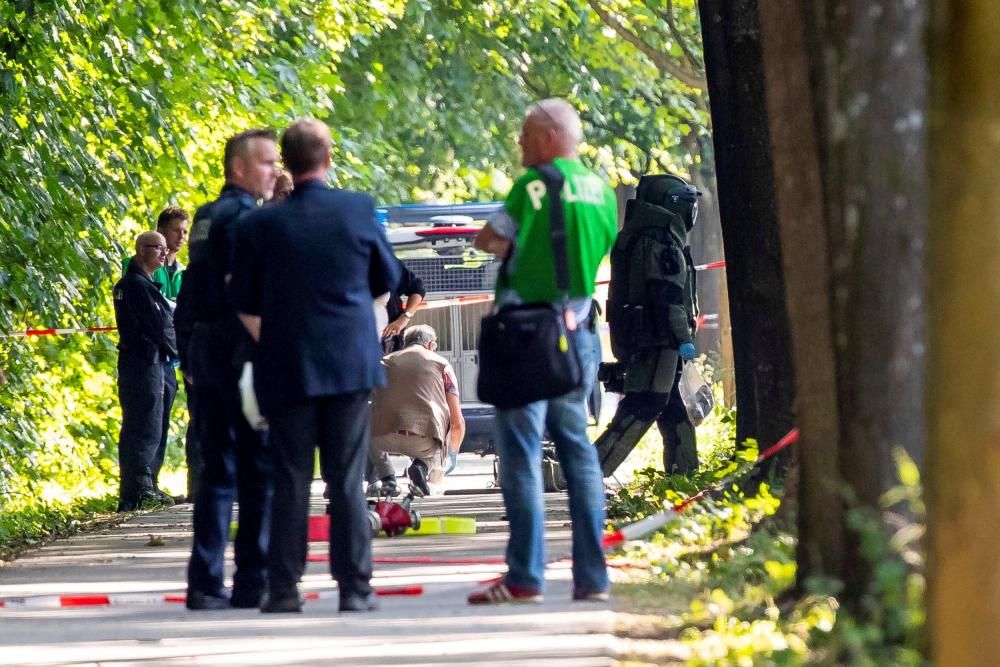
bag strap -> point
(554, 182)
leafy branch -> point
(661, 60)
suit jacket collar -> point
(311, 184)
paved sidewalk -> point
(436, 628)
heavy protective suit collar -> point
(641, 215)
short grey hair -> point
(419, 334)
(558, 114)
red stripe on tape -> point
(790, 437)
(449, 231)
(84, 600)
(430, 560)
(613, 540)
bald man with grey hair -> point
(561, 118)
(521, 232)
(147, 348)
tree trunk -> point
(963, 457)
(870, 86)
(805, 248)
(847, 93)
(761, 348)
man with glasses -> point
(417, 413)
(146, 347)
(172, 223)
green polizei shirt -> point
(168, 279)
(591, 216)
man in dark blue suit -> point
(309, 306)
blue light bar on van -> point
(422, 214)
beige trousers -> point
(421, 447)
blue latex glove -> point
(174, 363)
(687, 351)
(452, 462)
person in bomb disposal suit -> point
(310, 307)
(214, 347)
(652, 306)
(147, 350)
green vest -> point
(591, 214)
(170, 284)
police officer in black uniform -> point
(214, 346)
(652, 306)
(147, 350)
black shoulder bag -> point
(525, 352)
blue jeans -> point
(519, 444)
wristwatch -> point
(408, 315)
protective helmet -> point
(672, 193)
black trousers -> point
(339, 425)
(169, 393)
(140, 392)
(237, 466)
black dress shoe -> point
(284, 604)
(246, 599)
(417, 472)
(196, 600)
(358, 602)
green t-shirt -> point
(168, 279)
(591, 215)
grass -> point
(717, 586)
(36, 525)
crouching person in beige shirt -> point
(417, 413)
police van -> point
(435, 242)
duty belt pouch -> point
(525, 352)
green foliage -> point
(715, 577)
(113, 110)
(40, 522)
(889, 627)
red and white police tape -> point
(55, 332)
(429, 304)
(148, 599)
(645, 526)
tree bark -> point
(761, 348)
(963, 457)
(870, 83)
(805, 248)
(847, 92)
